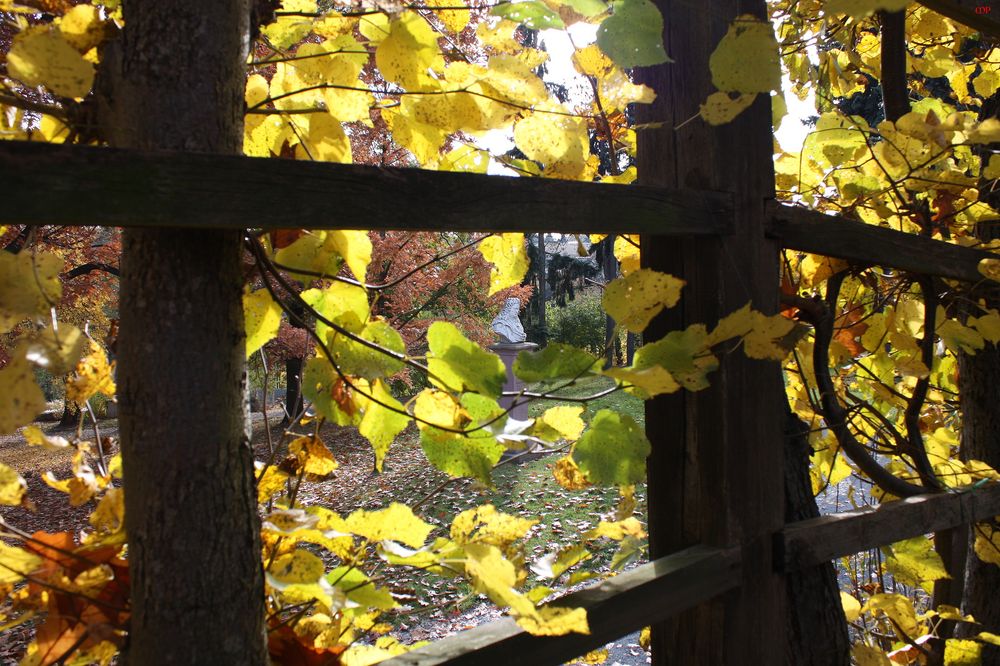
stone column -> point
(508, 352)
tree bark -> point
(817, 628)
(979, 376)
(175, 81)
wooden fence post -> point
(715, 474)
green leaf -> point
(613, 451)
(262, 317)
(682, 353)
(633, 35)
(319, 381)
(458, 364)
(588, 8)
(357, 359)
(746, 60)
(635, 299)
(531, 14)
(557, 361)
(380, 425)
(359, 588)
(458, 455)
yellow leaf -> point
(746, 60)
(484, 524)
(437, 408)
(325, 141)
(987, 131)
(109, 517)
(865, 655)
(272, 482)
(634, 300)
(313, 455)
(958, 652)
(355, 247)
(899, 609)
(423, 140)
(852, 607)
(594, 657)
(645, 382)
(15, 563)
(82, 27)
(56, 350)
(410, 50)
(507, 254)
(92, 375)
(22, 399)
(41, 56)
(300, 567)
(565, 420)
(29, 286)
(720, 108)
(992, 170)
(734, 325)
(990, 268)
(863, 8)
(568, 475)
(987, 544)
(617, 530)
(12, 486)
(454, 19)
(287, 31)
(555, 621)
(262, 317)
(627, 250)
(915, 562)
(560, 143)
(764, 341)
(35, 437)
(397, 522)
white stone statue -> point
(507, 324)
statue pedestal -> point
(508, 352)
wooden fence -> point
(705, 212)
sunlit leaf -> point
(397, 522)
(314, 457)
(531, 14)
(556, 361)
(458, 364)
(23, 399)
(92, 375)
(509, 258)
(634, 300)
(15, 563)
(12, 486)
(262, 317)
(29, 286)
(960, 652)
(613, 450)
(720, 108)
(42, 56)
(380, 425)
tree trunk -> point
(817, 628)
(293, 389)
(543, 331)
(175, 81)
(609, 268)
(979, 376)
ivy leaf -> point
(613, 451)
(262, 317)
(635, 299)
(397, 522)
(12, 487)
(633, 35)
(458, 364)
(23, 400)
(509, 258)
(41, 56)
(380, 425)
(746, 60)
(531, 14)
(556, 362)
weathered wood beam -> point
(834, 236)
(615, 607)
(822, 539)
(986, 23)
(74, 185)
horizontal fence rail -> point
(834, 236)
(615, 607)
(75, 185)
(818, 540)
